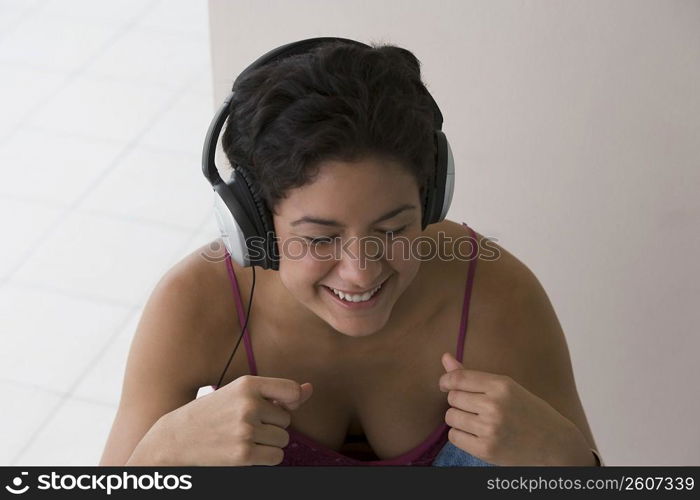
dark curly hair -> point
(339, 101)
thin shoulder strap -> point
(241, 316)
(473, 259)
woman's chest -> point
(389, 417)
(386, 404)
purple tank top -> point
(302, 450)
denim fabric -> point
(451, 456)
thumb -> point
(449, 362)
(306, 391)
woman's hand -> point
(497, 420)
(242, 423)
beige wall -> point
(575, 129)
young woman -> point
(355, 354)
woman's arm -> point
(165, 365)
(544, 367)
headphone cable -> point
(247, 317)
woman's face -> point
(354, 206)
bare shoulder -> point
(462, 247)
(192, 305)
(185, 301)
(502, 286)
(205, 276)
(500, 272)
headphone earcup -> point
(448, 184)
(440, 185)
(263, 217)
(232, 234)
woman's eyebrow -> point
(328, 222)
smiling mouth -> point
(358, 293)
(357, 299)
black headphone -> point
(244, 220)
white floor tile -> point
(19, 5)
(49, 339)
(103, 383)
(101, 108)
(207, 235)
(24, 410)
(74, 279)
(90, 11)
(184, 126)
(58, 168)
(203, 83)
(14, 12)
(153, 57)
(103, 257)
(20, 91)
(9, 20)
(209, 229)
(61, 44)
(184, 16)
(76, 435)
(159, 186)
(22, 226)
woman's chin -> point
(359, 331)
(361, 326)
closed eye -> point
(396, 231)
(318, 241)
(329, 239)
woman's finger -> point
(272, 412)
(271, 435)
(266, 455)
(465, 421)
(473, 402)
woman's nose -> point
(361, 262)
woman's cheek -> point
(400, 253)
(291, 249)
(303, 271)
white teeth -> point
(356, 298)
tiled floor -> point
(104, 107)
